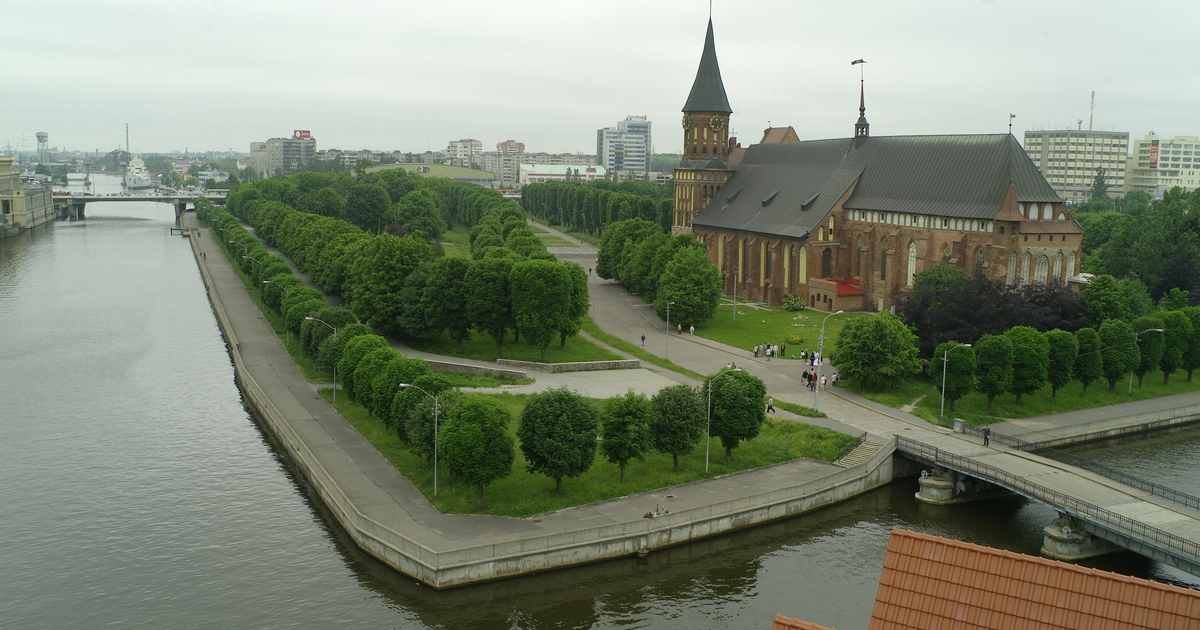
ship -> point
(136, 175)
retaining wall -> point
(581, 366)
(445, 366)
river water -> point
(137, 492)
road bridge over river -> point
(72, 206)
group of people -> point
(810, 380)
(769, 350)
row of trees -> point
(662, 269)
(589, 206)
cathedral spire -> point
(862, 129)
(708, 91)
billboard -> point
(1154, 154)
(301, 134)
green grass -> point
(523, 494)
(800, 410)
(641, 353)
(749, 329)
(483, 348)
(550, 240)
(899, 396)
(591, 239)
(467, 379)
(460, 236)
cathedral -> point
(848, 223)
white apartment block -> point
(1160, 164)
(464, 152)
(1069, 159)
(626, 147)
(540, 173)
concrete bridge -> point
(1099, 510)
(72, 206)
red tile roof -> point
(931, 582)
(787, 623)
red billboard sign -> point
(1154, 154)
(301, 134)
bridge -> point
(72, 206)
(1111, 508)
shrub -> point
(793, 302)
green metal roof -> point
(708, 91)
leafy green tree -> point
(737, 408)
(374, 281)
(445, 299)
(557, 431)
(541, 300)
(411, 315)
(1191, 356)
(330, 352)
(1118, 349)
(325, 201)
(693, 283)
(363, 377)
(406, 400)
(1137, 296)
(876, 352)
(475, 443)
(313, 333)
(273, 292)
(1064, 350)
(293, 318)
(398, 369)
(419, 210)
(352, 354)
(489, 302)
(1089, 364)
(625, 428)
(958, 364)
(1100, 184)
(1104, 300)
(679, 421)
(366, 205)
(617, 236)
(1150, 342)
(424, 420)
(1178, 330)
(577, 307)
(1175, 299)
(1031, 360)
(994, 366)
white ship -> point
(136, 175)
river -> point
(138, 492)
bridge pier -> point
(180, 208)
(942, 486)
(1061, 541)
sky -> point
(212, 75)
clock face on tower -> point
(687, 121)
(715, 124)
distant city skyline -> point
(406, 76)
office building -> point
(625, 149)
(283, 156)
(1160, 164)
(1069, 159)
(463, 152)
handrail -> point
(855, 443)
(1119, 476)
(1186, 548)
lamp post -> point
(252, 258)
(946, 360)
(821, 359)
(708, 431)
(1135, 337)
(244, 248)
(668, 352)
(435, 430)
(314, 319)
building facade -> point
(22, 206)
(848, 223)
(1160, 164)
(1070, 158)
(540, 173)
(626, 148)
(463, 152)
(283, 156)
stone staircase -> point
(860, 455)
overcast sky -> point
(396, 74)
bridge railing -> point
(1119, 476)
(1135, 529)
(851, 446)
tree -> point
(959, 369)
(423, 421)
(618, 236)
(475, 443)
(577, 306)
(445, 299)
(398, 369)
(1178, 333)
(625, 428)
(994, 366)
(418, 210)
(1031, 360)
(489, 303)
(558, 434)
(1099, 185)
(1064, 349)
(678, 423)
(1150, 342)
(1104, 300)
(541, 300)
(737, 408)
(1089, 364)
(375, 279)
(693, 283)
(876, 352)
(352, 354)
(1118, 350)
(313, 333)
(1191, 356)
(366, 205)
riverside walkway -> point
(391, 520)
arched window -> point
(1070, 265)
(1012, 269)
(883, 252)
(827, 263)
(979, 257)
(1025, 264)
(1056, 270)
(1043, 268)
(912, 262)
(946, 254)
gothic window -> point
(1025, 264)
(1070, 264)
(979, 261)
(802, 266)
(946, 254)
(1056, 270)
(1012, 269)
(827, 263)
(883, 252)
(1043, 268)
(912, 262)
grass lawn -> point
(591, 239)
(749, 330)
(460, 236)
(641, 353)
(550, 240)
(483, 348)
(800, 410)
(523, 494)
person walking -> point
(691, 329)
(987, 434)
(770, 405)
(824, 383)
(679, 328)
(643, 341)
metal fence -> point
(846, 450)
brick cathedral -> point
(847, 223)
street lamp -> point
(1135, 337)
(946, 360)
(708, 431)
(435, 430)
(244, 248)
(252, 258)
(821, 359)
(668, 352)
(314, 319)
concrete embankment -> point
(388, 518)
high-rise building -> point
(283, 156)
(1159, 164)
(1070, 159)
(507, 166)
(463, 152)
(625, 148)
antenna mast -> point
(1092, 114)
(127, 137)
